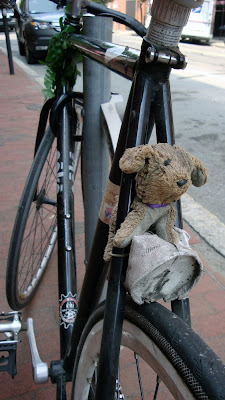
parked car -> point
(11, 20)
(38, 22)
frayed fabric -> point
(158, 269)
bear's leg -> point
(164, 227)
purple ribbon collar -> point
(157, 205)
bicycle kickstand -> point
(10, 326)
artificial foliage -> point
(61, 61)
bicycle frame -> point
(149, 102)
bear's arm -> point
(137, 222)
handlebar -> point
(100, 10)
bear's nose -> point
(181, 182)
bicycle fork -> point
(66, 240)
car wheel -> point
(29, 55)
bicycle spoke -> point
(158, 380)
(33, 246)
(41, 222)
(36, 258)
(30, 261)
(119, 395)
(24, 249)
(32, 233)
(139, 376)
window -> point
(42, 6)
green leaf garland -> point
(61, 61)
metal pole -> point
(7, 39)
(95, 156)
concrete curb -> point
(218, 43)
(206, 224)
(29, 71)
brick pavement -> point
(20, 102)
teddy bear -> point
(163, 174)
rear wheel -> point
(35, 229)
(160, 358)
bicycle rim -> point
(150, 367)
(35, 229)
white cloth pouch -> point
(158, 269)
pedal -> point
(40, 368)
(10, 326)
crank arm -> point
(40, 368)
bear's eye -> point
(167, 162)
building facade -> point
(134, 8)
(140, 9)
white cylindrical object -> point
(168, 19)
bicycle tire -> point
(177, 355)
(29, 251)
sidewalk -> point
(20, 103)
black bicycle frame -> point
(149, 101)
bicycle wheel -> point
(35, 229)
(160, 358)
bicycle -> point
(165, 343)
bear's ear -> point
(199, 175)
(134, 158)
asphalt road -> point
(198, 95)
